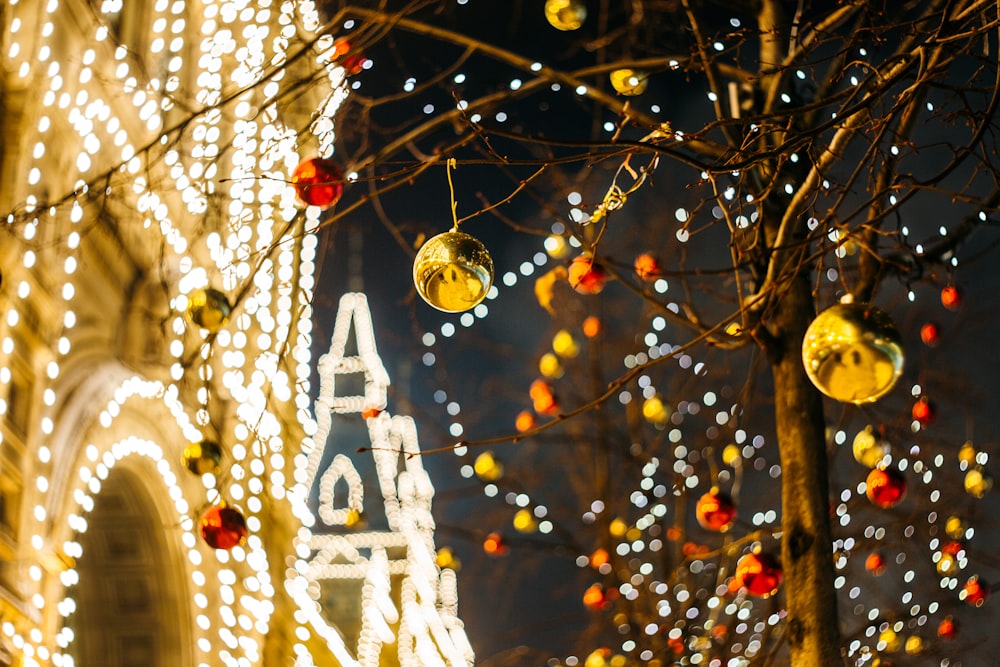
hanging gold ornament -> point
(978, 482)
(208, 308)
(565, 14)
(629, 82)
(453, 271)
(202, 457)
(852, 352)
(869, 449)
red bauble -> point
(875, 563)
(930, 334)
(759, 573)
(318, 182)
(542, 398)
(947, 628)
(951, 297)
(587, 276)
(886, 487)
(223, 527)
(646, 267)
(715, 511)
(495, 545)
(924, 411)
(351, 62)
(975, 592)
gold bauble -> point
(565, 14)
(525, 521)
(868, 448)
(487, 468)
(890, 641)
(852, 352)
(453, 272)
(202, 457)
(208, 308)
(550, 366)
(978, 482)
(955, 526)
(655, 411)
(629, 82)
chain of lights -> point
(429, 632)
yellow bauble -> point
(629, 82)
(731, 455)
(967, 453)
(208, 308)
(890, 640)
(453, 272)
(869, 450)
(202, 457)
(655, 411)
(550, 366)
(914, 645)
(955, 527)
(565, 345)
(565, 14)
(525, 521)
(852, 352)
(618, 528)
(488, 468)
(978, 482)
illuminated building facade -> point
(145, 158)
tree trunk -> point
(812, 628)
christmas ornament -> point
(565, 345)
(542, 398)
(591, 327)
(495, 545)
(885, 487)
(549, 366)
(978, 482)
(951, 297)
(947, 628)
(487, 468)
(715, 511)
(967, 454)
(945, 562)
(974, 592)
(445, 558)
(646, 267)
(731, 455)
(930, 334)
(525, 421)
(355, 519)
(208, 308)
(889, 641)
(924, 411)
(618, 527)
(596, 598)
(875, 563)
(525, 521)
(587, 276)
(557, 246)
(370, 413)
(852, 352)
(565, 14)
(868, 448)
(655, 411)
(759, 573)
(352, 63)
(629, 82)
(318, 182)
(453, 271)
(202, 457)
(599, 558)
(955, 526)
(914, 645)
(223, 527)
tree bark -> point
(811, 630)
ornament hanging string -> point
(452, 163)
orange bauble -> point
(542, 398)
(951, 297)
(495, 545)
(587, 276)
(924, 411)
(760, 574)
(875, 563)
(930, 334)
(975, 592)
(715, 511)
(947, 628)
(647, 268)
(885, 487)
(318, 182)
(223, 527)
(596, 598)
